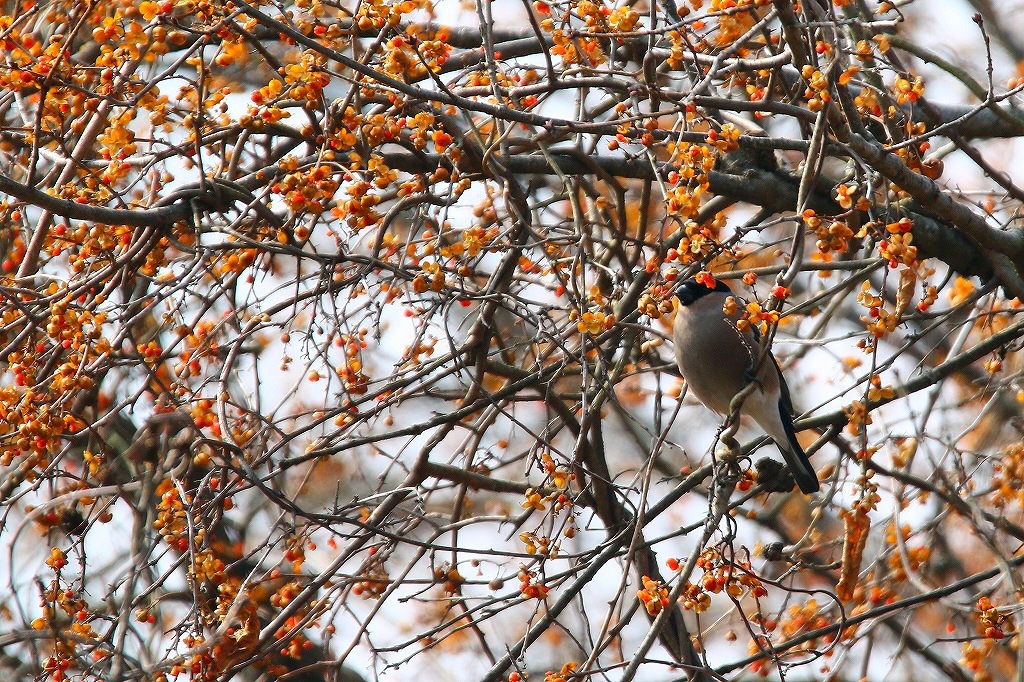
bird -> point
(716, 358)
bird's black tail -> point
(795, 457)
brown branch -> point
(877, 613)
(926, 379)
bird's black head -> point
(691, 290)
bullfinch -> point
(716, 359)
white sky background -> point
(815, 377)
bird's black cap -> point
(691, 290)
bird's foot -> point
(773, 476)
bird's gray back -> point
(714, 356)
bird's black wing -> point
(787, 401)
